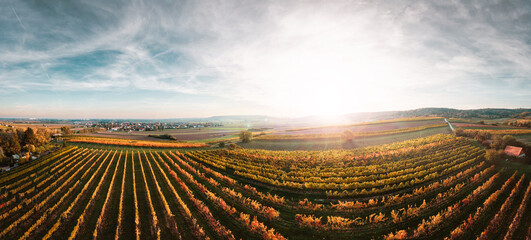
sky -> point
(170, 59)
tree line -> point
(16, 140)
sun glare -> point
(326, 83)
(328, 71)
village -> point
(127, 126)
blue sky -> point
(164, 59)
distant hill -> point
(489, 113)
(486, 113)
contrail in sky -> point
(18, 18)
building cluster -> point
(127, 126)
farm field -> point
(519, 131)
(476, 120)
(265, 120)
(133, 143)
(365, 127)
(215, 134)
(435, 187)
(481, 126)
(39, 125)
(353, 134)
(181, 134)
(338, 143)
(522, 134)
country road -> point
(449, 124)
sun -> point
(324, 68)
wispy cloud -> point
(292, 56)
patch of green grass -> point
(515, 166)
(525, 138)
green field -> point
(524, 138)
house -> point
(16, 156)
(514, 151)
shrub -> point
(233, 146)
(493, 154)
(246, 136)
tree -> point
(482, 136)
(245, 136)
(509, 140)
(347, 135)
(10, 143)
(459, 132)
(15, 144)
(493, 154)
(30, 137)
(497, 142)
(43, 136)
(29, 147)
(20, 136)
(3, 159)
(65, 130)
(232, 146)
(221, 144)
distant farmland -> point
(215, 133)
(180, 134)
(338, 143)
(365, 127)
(363, 135)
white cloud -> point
(296, 57)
